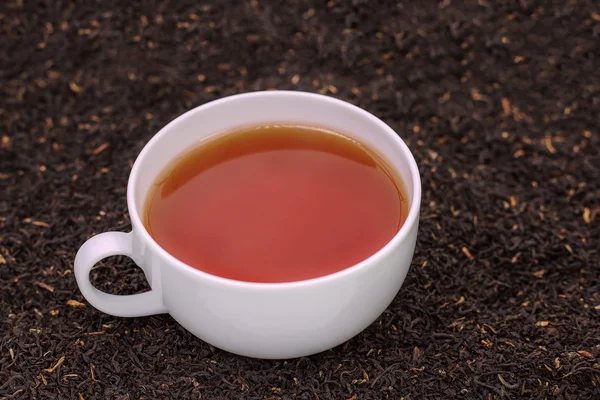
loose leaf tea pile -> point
(499, 102)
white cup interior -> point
(289, 107)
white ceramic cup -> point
(264, 320)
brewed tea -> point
(275, 203)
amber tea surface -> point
(275, 203)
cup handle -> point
(102, 246)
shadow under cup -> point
(264, 320)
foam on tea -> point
(275, 203)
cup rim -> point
(411, 219)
